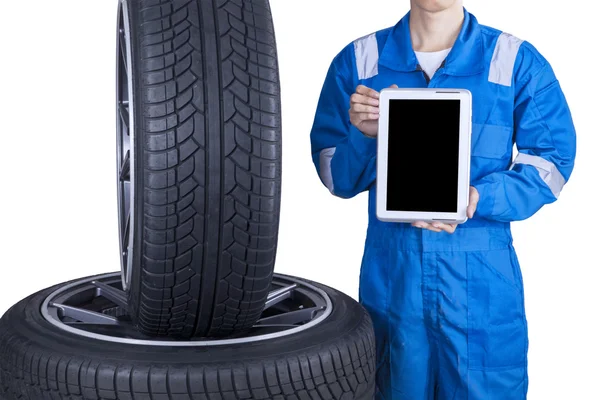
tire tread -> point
(229, 258)
(315, 375)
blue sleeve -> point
(546, 143)
(344, 157)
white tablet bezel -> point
(464, 155)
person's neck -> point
(435, 31)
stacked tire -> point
(197, 311)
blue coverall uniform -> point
(448, 309)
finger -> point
(363, 108)
(394, 86)
(473, 196)
(432, 228)
(450, 228)
(357, 98)
(471, 211)
(362, 89)
(359, 117)
(425, 225)
(473, 200)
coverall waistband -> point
(405, 237)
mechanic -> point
(447, 301)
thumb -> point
(473, 200)
(394, 86)
(471, 210)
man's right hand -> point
(364, 110)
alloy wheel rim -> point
(96, 308)
(125, 144)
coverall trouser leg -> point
(448, 313)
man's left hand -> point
(450, 228)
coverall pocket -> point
(491, 141)
(497, 334)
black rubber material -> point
(333, 360)
(206, 89)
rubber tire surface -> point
(332, 360)
(206, 89)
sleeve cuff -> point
(485, 205)
(364, 145)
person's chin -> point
(434, 6)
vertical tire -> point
(208, 164)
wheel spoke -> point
(125, 243)
(124, 113)
(124, 174)
(290, 318)
(115, 295)
(83, 315)
(279, 295)
(123, 49)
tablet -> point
(423, 155)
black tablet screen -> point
(423, 155)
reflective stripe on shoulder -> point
(325, 167)
(367, 56)
(547, 170)
(503, 60)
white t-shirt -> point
(431, 61)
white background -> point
(58, 191)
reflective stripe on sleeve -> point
(367, 56)
(547, 170)
(325, 167)
(503, 60)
